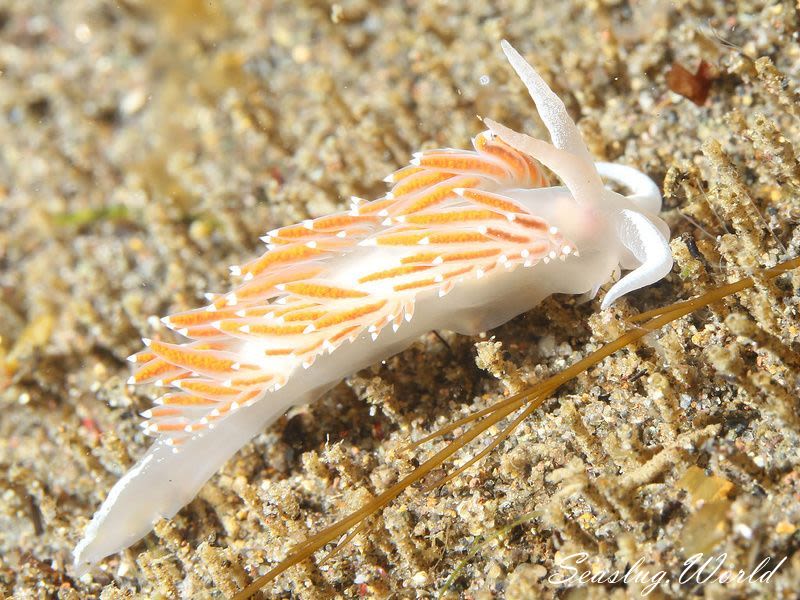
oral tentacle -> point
(643, 239)
(643, 191)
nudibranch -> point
(464, 240)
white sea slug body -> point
(465, 240)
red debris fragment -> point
(694, 87)
(91, 425)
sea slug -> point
(464, 240)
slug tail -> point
(167, 477)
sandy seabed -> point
(147, 145)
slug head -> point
(642, 237)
